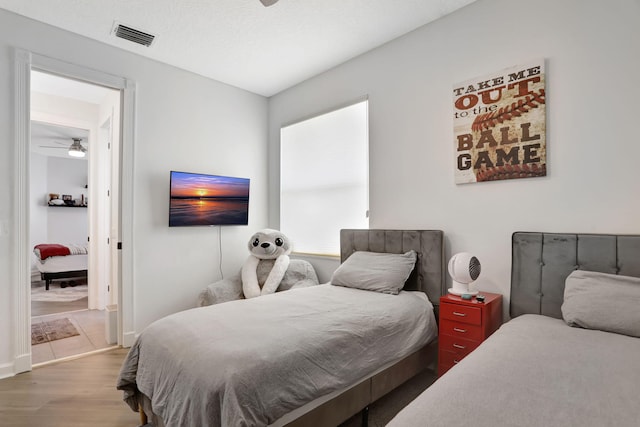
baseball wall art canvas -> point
(499, 125)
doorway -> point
(71, 165)
(120, 122)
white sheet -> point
(57, 264)
(249, 362)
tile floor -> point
(91, 326)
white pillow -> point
(373, 271)
(607, 302)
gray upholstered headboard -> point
(428, 276)
(541, 262)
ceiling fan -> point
(76, 149)
(268, 3)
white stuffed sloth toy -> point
(267, 269)
(265, 245)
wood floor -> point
(82, 393)
(78, 393)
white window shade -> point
(324, 178)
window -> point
(324, 178)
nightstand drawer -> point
(448, 359)
(461, 330)
(461, 313)
(456, 345)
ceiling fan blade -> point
(268, 3)
(52, 146)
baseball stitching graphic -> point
(516, 109)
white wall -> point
(184, 122)
(592, 58)
(65, 224)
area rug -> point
(52, 330)
(38, 293)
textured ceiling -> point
(240, 42)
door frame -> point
(66, 121)
(24, 62)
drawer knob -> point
(462, 347)
(455, 313)
(462, 331)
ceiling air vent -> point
(133, 35)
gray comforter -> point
(248, 362)
(536, 371)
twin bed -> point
(56, 261)
(329, 351)
(305, 357)
(536, 370)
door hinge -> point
(119, 245)
(108, 241)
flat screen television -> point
(200, 199)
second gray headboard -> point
(541, 262)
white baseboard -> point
(21, 364)
(6, 370)
(128, 339)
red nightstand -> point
(464, 324)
